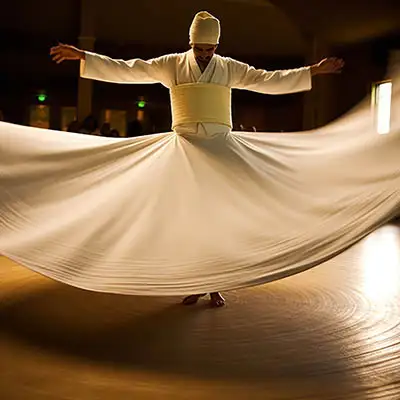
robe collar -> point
(198, 75)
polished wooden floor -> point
(330, 333)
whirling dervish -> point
(201, 209)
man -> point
(201, 66)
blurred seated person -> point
(135, 128)
(89, 126)
(105, 129)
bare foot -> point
(217, 300)
(192, 299)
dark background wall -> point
(26, 68)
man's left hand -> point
(330, 65)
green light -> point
(141, 104)
(41, 97)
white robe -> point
(178, 69)
(200, 209)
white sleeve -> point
(103, 68)
(269, 82)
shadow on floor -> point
(251, 339)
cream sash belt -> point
(201, 102)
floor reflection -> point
(380, 263)
(287, 340)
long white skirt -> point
(171, 214)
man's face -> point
(203, 52)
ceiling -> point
(344, 21)
(275, 27)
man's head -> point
(204, 35)
(203, 52)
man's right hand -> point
(64, 52)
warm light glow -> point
(39, 116)
(140, 115)
(117, 120)
(382, 103)
(381, 265)
(68, 114)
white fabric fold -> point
(170, 214)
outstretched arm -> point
(280, 81)
(103, 68)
